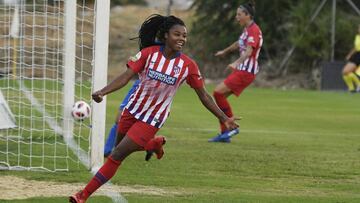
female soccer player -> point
(353, 61)
(161, 69)
(244, 68)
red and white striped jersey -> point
(159, 80)
(251, 36)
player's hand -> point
(232, 66)
(231, 123)
(220, 53)
(97, 96)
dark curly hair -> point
(152, 31)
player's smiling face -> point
(176, 37)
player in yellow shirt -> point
(353, 61)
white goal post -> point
(53, 53)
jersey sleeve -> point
(137, 62)
(253, 38)
(194, 79)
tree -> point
(283, 24)
(314, 42)
(214, 27)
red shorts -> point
(237, 81)
(138, 131)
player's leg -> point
(120, 152)
(221, 93)
(235, 83)
(356, 80)
(357, 72)
(349, 77)
(108, 170)
(142, 133)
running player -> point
(353, 61)
(161, 69)
(244, 68)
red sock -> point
(105, 173)
(224, 105)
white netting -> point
(31, 71)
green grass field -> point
(294, 146)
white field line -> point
(282, 132)
(82, 155)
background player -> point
(353, 61)
(244, 68)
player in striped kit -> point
(244, 68)
(161, 69)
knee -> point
(349, 68)
(345, 71)
(118, 155)
(115, 155)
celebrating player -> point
(161, 69)
(353, 61)
(244, 68)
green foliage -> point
(215, 21)
(213, 28)
(220, 29)
(283, 23)
(313, 41)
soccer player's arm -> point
(234, 46)
(251, 42)
(195, 81)
(135, 65)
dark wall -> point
(331, 76)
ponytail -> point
(152, 31)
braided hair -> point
(152, 31)
(249, 8)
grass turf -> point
(294, 146)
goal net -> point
(52, 53)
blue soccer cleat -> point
(219, 138)
(228, 134)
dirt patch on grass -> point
(12, 187)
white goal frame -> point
(99, 81)
(93, 157)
